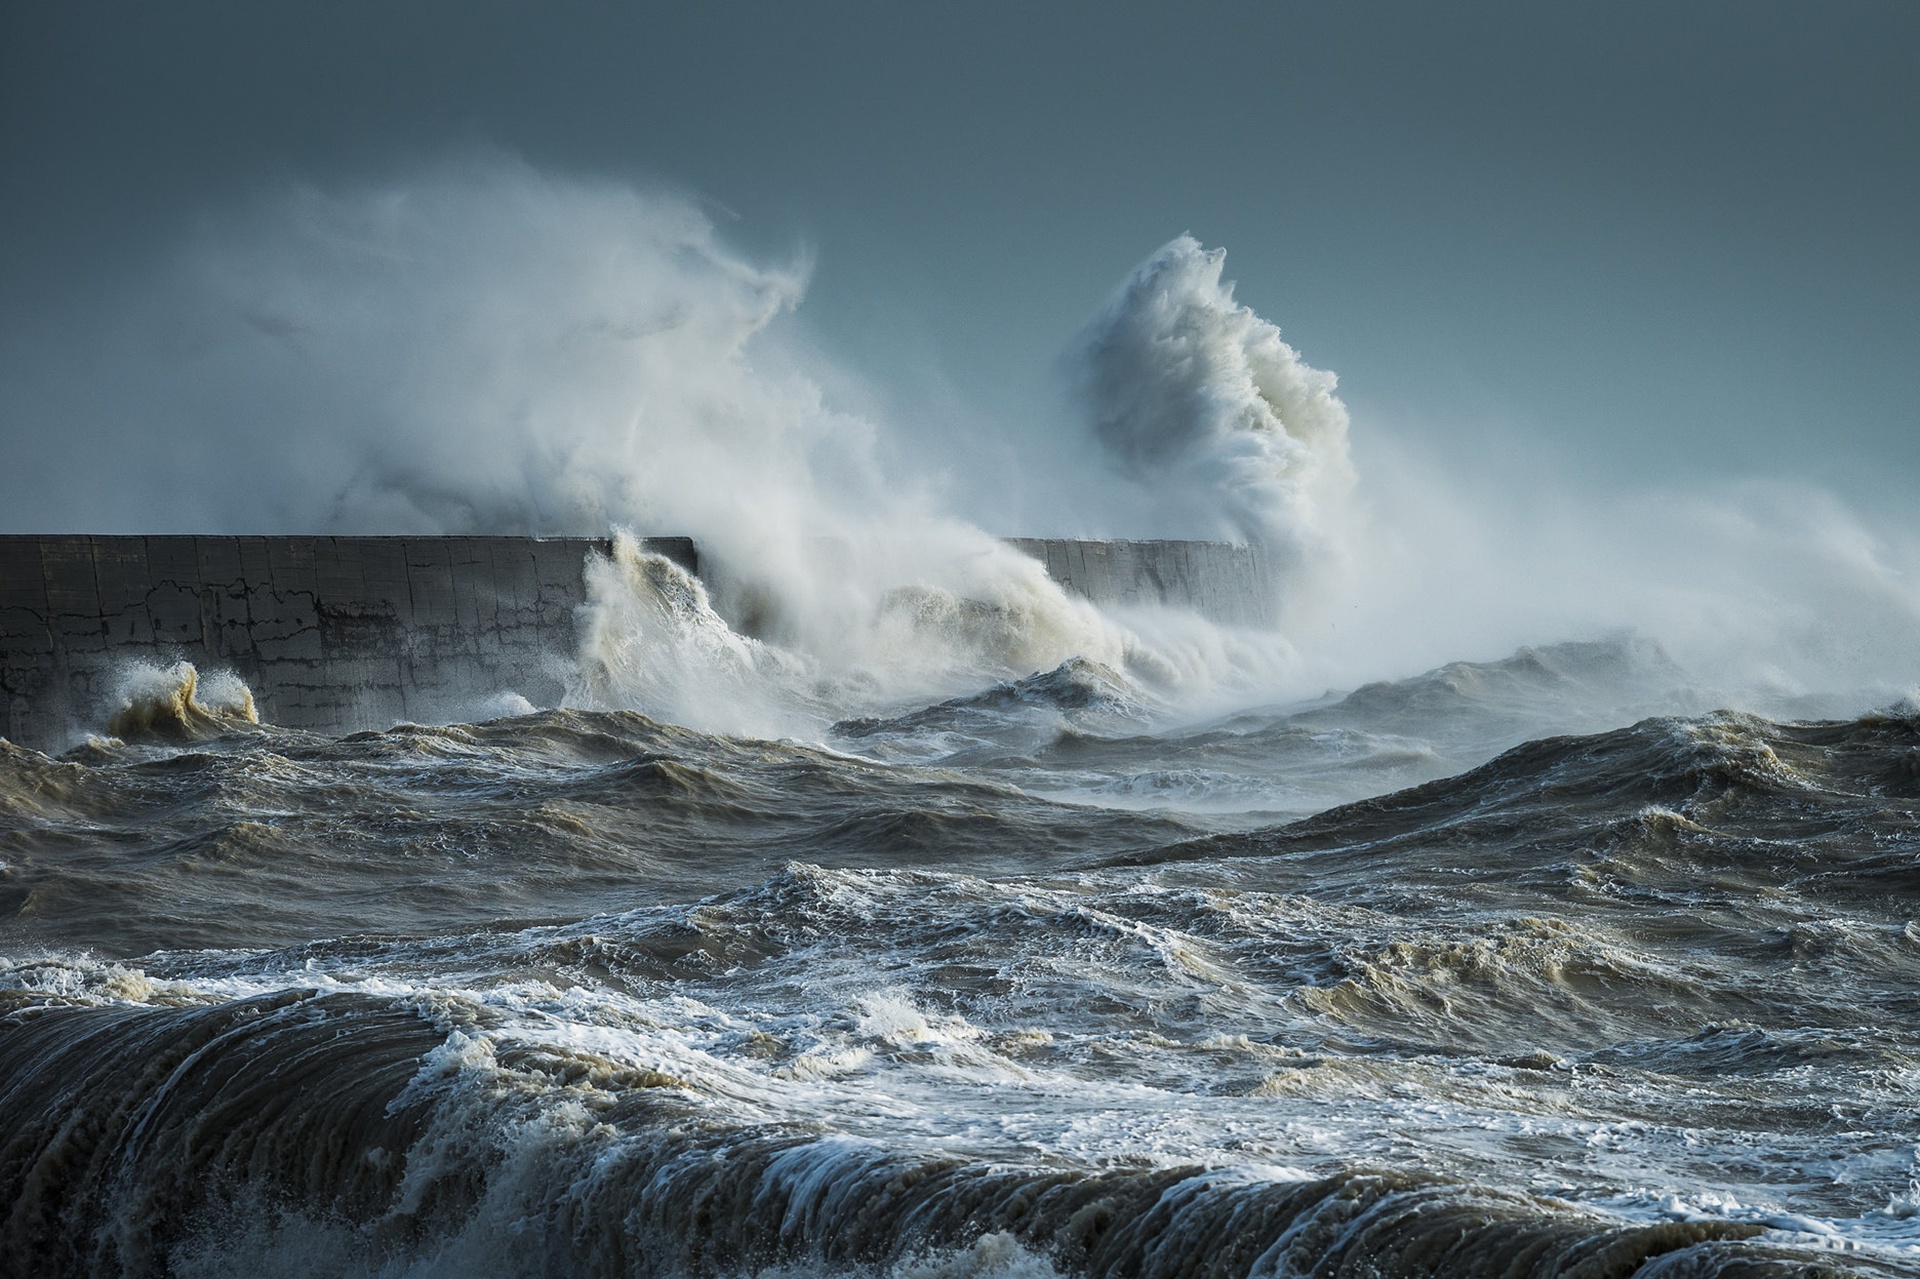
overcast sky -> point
(1673, 240)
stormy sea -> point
(871, 907)
(1474, 973)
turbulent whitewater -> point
(872, 907)
(1032, 980)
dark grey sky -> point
(1670, 240)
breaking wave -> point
(734, 658)
(448, 1149)
(173, 703)
(1196, 397)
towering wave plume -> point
(483, 348)
(480, 347)
(1194, 395)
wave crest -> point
(1195, 394)
(173, 703)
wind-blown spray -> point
(1196, 397)
(482, 347)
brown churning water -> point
(1535, 967)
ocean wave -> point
(409, 1139)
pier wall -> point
(1218, 580)
(339, 633)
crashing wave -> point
(1194, 395)
(174, 704)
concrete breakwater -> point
(338, 633)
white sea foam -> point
(940, 610)
(177, 702)
(1198, 399)
(824, 1074)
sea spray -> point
(957, 611)
(175, 703)
(471, 344)
(650, 640)
(1197, 398)
(477, 346)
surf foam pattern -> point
(584, 993)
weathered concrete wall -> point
(1227, 583)
(338, 633)
(329, 632)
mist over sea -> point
(1541, 898)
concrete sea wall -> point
(1218, 580)
(339, 633)
(328, 632)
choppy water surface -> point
(1031, 980)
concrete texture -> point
(332, 633)
(341, 633)
(1230, 584)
